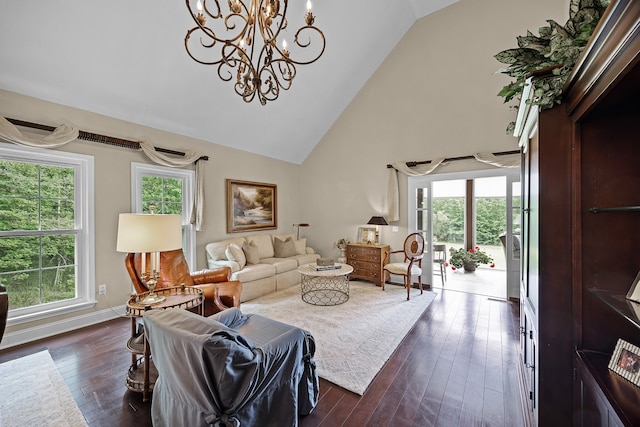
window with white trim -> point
(47, 256)
(170, 190)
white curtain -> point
(64, 134)
(393, 196)
(197, 211)
(506, 161)
(60, 136)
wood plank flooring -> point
(456, 367)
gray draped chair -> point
(229, 369)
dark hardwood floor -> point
(456, 367)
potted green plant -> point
(469, 259)
(555, 51)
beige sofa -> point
(262, 263)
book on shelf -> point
(317, 267)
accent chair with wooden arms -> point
(220, 292)
(413, 251)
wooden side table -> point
(368, 261)
(142, 374)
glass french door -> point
(463, 210)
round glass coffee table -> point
(325, 287)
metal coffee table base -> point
(328, 290)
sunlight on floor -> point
(491, 282)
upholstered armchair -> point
(229, 370)
(219, 291)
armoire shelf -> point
(608, 392)
(618, 301)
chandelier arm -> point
(206, 9)
(186, 45)
(223, 66)
(287, 70)
(232, 26)
(266, 27)
(248, 93)
(269, 90)
(228, 25)
(304, 45)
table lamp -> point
(149, 233)
(377, 220)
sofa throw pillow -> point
(235, 253)
(251, 253)
(284, 249)
(301, 246)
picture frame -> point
(251, 206)
(625, 361)
(367, 235)
(634, 291)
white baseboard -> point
(47, 330)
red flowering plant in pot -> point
(469, 259)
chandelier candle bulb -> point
(200, 17)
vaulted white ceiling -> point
(126, 59)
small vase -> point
(343, 256)
(470, 266)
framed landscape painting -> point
(251, 206)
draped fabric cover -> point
(393, 196)
(60, 136)
(64, 134)
(508, 161)
(229, 370)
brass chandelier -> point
(244, 40)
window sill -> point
(47, 314)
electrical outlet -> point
(394, 229)
(102, 289)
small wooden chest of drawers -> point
(367, 261)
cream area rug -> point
(33, 394)
(354, 339)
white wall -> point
(435, 95)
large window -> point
(170, 191)
(46, 235)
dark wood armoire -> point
(581, 233)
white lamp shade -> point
(149, 233)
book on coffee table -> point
(317, 267)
